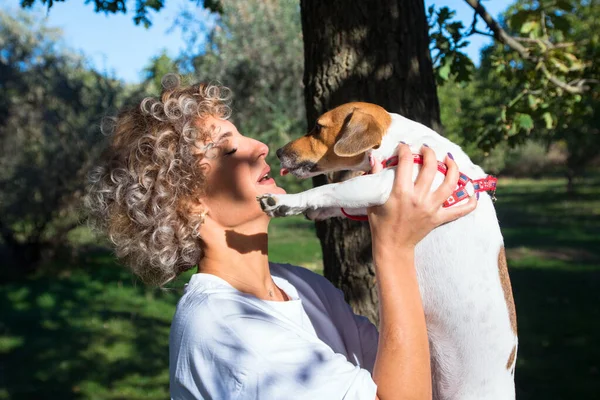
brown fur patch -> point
(511, 358)
(317, 146)
(507, 288)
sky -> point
(115, 45)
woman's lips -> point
(269, 181)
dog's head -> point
(339, 141)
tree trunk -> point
(375, 51)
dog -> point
(461, 266)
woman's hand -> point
(412, 210)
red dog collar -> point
(480, 185)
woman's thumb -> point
(375, 164)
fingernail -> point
(477, 195)
(451, 156)
(402, 142)
(425, 144)
(371, 161)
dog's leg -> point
(323, 213)
(360, 192)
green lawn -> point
(293, 240)
(91, 332)
(553, 246)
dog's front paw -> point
(273, 206)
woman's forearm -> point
(402, 368)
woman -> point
(177, 188)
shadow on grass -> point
(91, 334)
(553, 244)
(559, 326)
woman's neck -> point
(240, 256)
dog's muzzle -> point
(291, 164)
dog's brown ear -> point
(360, 133)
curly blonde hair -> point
(140, 191)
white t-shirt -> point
(225, 344)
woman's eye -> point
(230, 152)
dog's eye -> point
(317, 129)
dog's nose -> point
(279, 152)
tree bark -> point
(375, 51)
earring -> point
(203, 215)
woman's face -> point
(236, 172)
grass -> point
(553, 247)
(293, 240)
(91, 332)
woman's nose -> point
(262, 148)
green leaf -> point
(503, 114)
(518, 19)
(524, 121)
(529, 27)
(548, 119)
(561, 67)
(532, 101)
(444, 71)
(445, 14)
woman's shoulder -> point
(296, 273)
(308, 283)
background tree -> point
(50, 109)
(512, 100)
(158, 67)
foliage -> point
(512, 100)
(142, 7)
(50, 110)
(256, 49)
(531, 99)
(447, 39)
(154, 71)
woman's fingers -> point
(375, 164)
(449, 214)
(404, 170)
(427, 172)
(450, 181)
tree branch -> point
(578, 88)
(474, 30)
(499, 33)
(514, 43)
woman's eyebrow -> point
(223, 136)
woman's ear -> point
(195, 209)
(360, 133)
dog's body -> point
(461, 266)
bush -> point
(531, 159)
